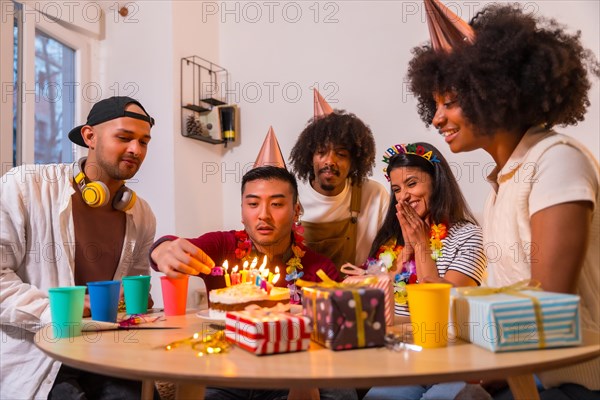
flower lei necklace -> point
(294, 264)
(436, 234)
(389, 252)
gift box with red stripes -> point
(262, 332)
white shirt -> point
(373, 206)
(37, 246)
(545, 169)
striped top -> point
(462, 251)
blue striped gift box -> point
(505, 322)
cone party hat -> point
(322, 108)
(270, 152)
(446, 29)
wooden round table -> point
(140, 354)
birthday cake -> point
(238, 297)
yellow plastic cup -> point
(429, 307)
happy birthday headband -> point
(409, 148)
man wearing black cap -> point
(70, 224)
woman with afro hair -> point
(504, 92)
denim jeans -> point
(217, 393)
(567, 391)
(75, 384)
(439, 391)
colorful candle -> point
(254, 262)
(271, 275)
(235, 277)
(227, 279)
(245, 272)
(217, 271)
(263, 284)
(269, 288)
(264, 263)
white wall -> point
(136, 59)
(143, 51)
(198, 205)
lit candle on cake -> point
(257, 280)
(227, 279)
(271, 275)
(260, 271)
(245, 272)
(270, 285)
(254, 262)
(235, 277)
(263, 278)
(264, 263)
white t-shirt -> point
(373, 206)
(545, 169)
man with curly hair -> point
(503, 93)
(343, 209)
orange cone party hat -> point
(446, 29)
(322, 108)
(270, 152)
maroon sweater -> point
(221, 246)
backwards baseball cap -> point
(106, 110)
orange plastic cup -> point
(429, 306)
(174, 292)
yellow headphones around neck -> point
(96, 193)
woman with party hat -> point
(503, 90)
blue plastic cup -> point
(104, 300)
(66, 309)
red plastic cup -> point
(174, 292)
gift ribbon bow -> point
(327, 282)
(350, 269)
(514, 290)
